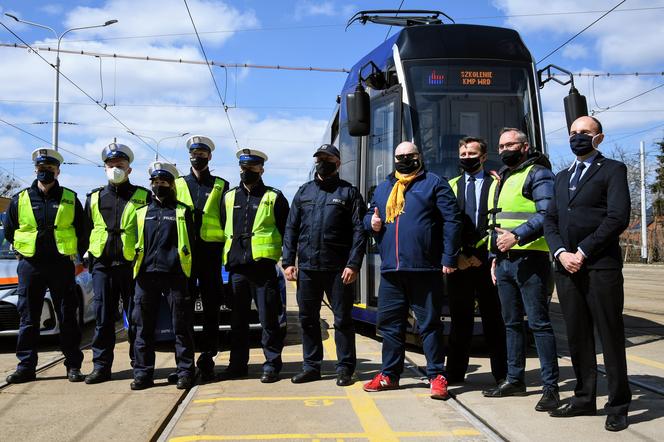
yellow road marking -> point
(646, 361)
(269, 398)
(372, 420)
(460, 432)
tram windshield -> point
(454, 99)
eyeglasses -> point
(510, 144)
(407, 156)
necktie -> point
(575, 179)
(471, 204)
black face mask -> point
(470, 164)
(407, 165)
(162, 192)
(249, 177)
(199, 163)
(325, 168)
(511, 158)
(581, 144)
(45, 176)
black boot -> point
(98, 376)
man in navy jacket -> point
(416, 223)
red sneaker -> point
(439, 388)
(381, 382)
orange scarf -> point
(397, 199)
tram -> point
(433, 83)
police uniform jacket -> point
(112, 202)
(325, 227)
(161, 237)
(244, 213)
(200, 189)
(45, 207)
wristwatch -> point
(517, 237)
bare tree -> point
(8, 184)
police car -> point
(9, 317)
(164, 329)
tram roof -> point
(446, 41)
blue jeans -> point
(523, 281)
(421, 292)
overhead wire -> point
(214, 80)
(73, 83)
(390, 28)
(580, 32)
(49, 143)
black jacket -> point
(538, 187)
(594, 217)
(471, 234)
(244, 213)
(161, 237)
(325, 227)
(112, 202)
(199, 191)
(45, 206)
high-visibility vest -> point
(265, 237)
(211, 229)
(128, 232)
(510, 208)
(25, 237)
(184, 248)
(454, 184)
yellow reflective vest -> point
(25, 237)
(184, 248)
(128, 229)
(511, 209)
(453, 184)
(211, 229)
(266, 240)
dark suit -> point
(465, 286)
(591, 219)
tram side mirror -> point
(359, 112)
(575, 106)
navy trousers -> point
(34, 277)
(259, 282)
(206, 281)
(310, 288)
(150, 287)
(464, 287)
(421, 292)
(111, 283)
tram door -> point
(379, 162)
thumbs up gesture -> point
(376, 222)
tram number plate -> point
(198, 306)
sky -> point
(283, 113)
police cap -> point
(115, 150)
(250, 157)
(200, 142)
(163, 170)
(45, 155)
(329, 149)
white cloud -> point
(575, 51)
(633, 39)
(306, 8)
(12, 148)
(52, 9)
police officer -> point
(473, 280)
(162, 266)
(202, 192)
(111, 215)
(46, 225)
(325, 230)
(254, 217)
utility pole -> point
(644, 225)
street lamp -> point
(56, 101)
(157, 143)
